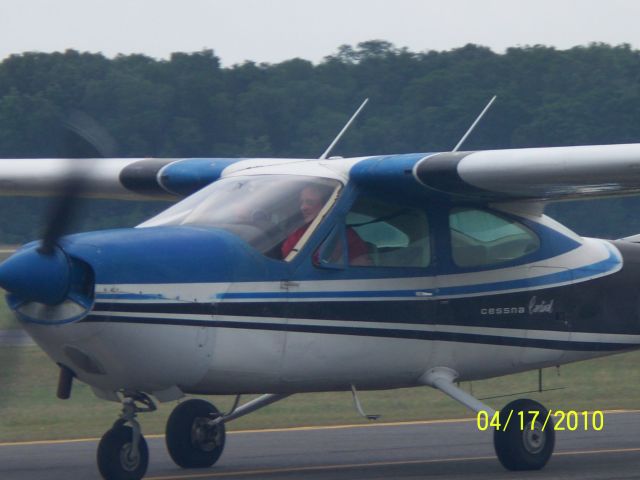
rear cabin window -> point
(480, 238)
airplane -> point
(405, 270)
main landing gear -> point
(524, 436)
(195, 435)
(192, 439)
(524, 442)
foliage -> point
(189, 105)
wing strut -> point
(344, 129)
(473, 125)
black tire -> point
(190, 442)
(114, 462)
(524, 449)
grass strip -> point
(30, 410)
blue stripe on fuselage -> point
(609, 265)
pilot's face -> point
(311, 202)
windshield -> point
(267, 211)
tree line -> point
(189, 105)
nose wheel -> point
(118, 459)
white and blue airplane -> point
(279, 276)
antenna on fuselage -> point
(473, 125)
(344, 129)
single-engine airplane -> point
(278, 276)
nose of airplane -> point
(59, 285)
(47, 287)
(31, 275)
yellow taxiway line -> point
(292, 429)
(261, 430)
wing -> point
(533, 174)
(120, 178)
(537, 174)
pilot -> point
(312, 199)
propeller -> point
(44, 284)
(44, 273)
(73, 184)
(61, 211)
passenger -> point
(312, 199)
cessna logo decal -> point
(535, 306)
(542, 307)
(503, 311)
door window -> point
(380, 234)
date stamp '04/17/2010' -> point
(559, 420)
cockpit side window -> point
(481, 238)
(382, 234)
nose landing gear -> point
(122, 452)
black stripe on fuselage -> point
(374, 332)
(606, 305)
(584, 307)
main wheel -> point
(191, 441)
(115, 459)
(524, 446)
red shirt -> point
(357, 247)
(292, 239)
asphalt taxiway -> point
(427, 450)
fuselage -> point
(484, 290)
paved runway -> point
(431, 450)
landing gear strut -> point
(525, 438)
(195, 433)
(123, 452)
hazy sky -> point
(276, 30)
